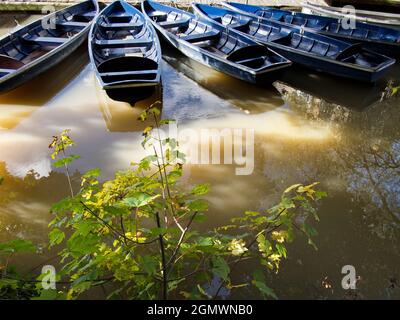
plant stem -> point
(163, 261)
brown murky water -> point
(308, 128)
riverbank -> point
(37, 5)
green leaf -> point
(252, 213)
(92, 173)
(259, 282)
(220, 267)
(264, 246)
(200, 217)
(50, 294)
(1, 179)
(201, 189)
(292, 187)
(56, 236)
(150, 264)
(65, 161)
(281, 249)
(198, 205)
(17, 245)
(139, 199)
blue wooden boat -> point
(42, 44)
(316, 51)
(380, 39)
(214, 45)
(125, 50)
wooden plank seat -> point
(124, 43)
(240, 24)
(158, 16)
(200, 37)
(85, 16)
(127, 73)
(122, 25)
(175, 23)
(72, 24)
(349, 51)
(47, 41)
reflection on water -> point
(247, 97)
(303, 133)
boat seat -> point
(47, 41)
(349, 51)
(123, 43)
(279, 37)
(72, 24)
(240, 24)
(86, 15)
(127, 73)
(158, 16)
(199, 37)
(248, 53)
(122, 25)
(175, 23)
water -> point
(310, 128)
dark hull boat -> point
(126, 53)
(214, 45)
(35, 48)
(379, 39)
(307, 48)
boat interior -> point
(219, 41)
(35, 40)
(294, 39)
(122, 40)
(326, 24)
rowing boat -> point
(377, 38)
(316, 51)
(40, 45)
(215, 46)
(125, 52)
(375, 17)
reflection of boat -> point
(388, 19)
(248, 97)
(125, 51)
(21, 102)
(304, 47)
(347, 93)
(214, 45)
(376, 38)
(35, 48)
(119, 116)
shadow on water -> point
(121, 116)
(133, 95)
(248, 97)
(351, 94)
(43, 88)
(20, 103)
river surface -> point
(307, 127)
